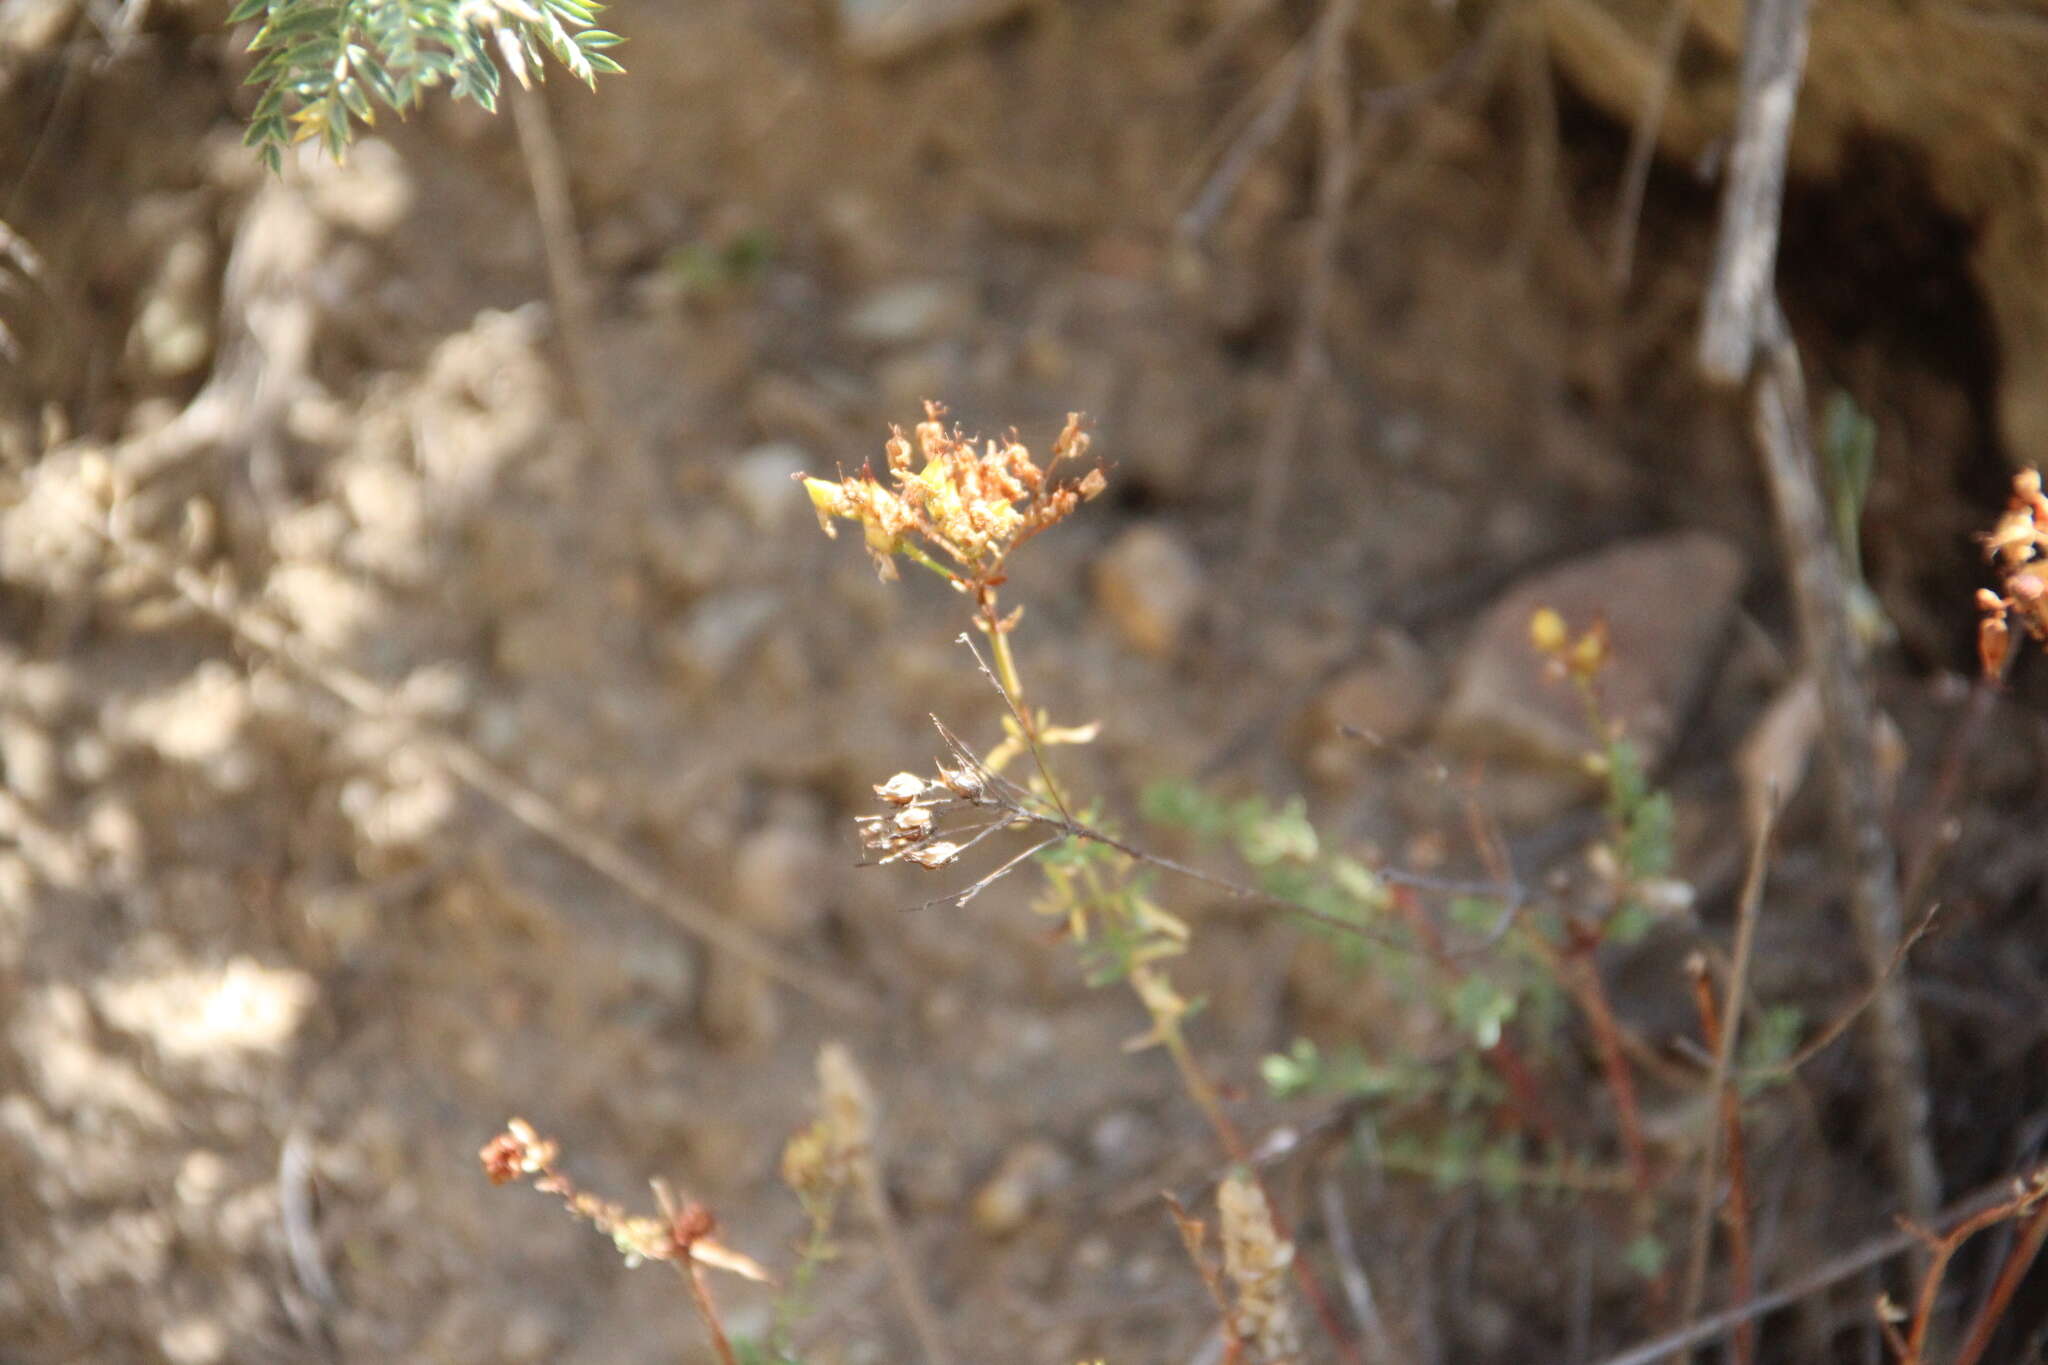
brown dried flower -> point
(967, 506)
(2018, 547)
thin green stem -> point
(1013, 686)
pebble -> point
(1024, 1177)
(1149, 584)
(1668, 602)
(30, 760)
(198, 721)
(1125, 1142)
(719, 631)
(762, 483)
(914, 310)
(884, 30)
(778, 880)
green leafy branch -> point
(321, 63)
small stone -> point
(29, 759)
(778, 881)
(719, 631)
(688, 555)
(915, 310)
(1667, 601)
(1387, 698)
(1149, 585)
(1125, 1142)
(762, 483)
(193, 1341)
(883, 30)
(197, 722)
(173, 331)
(1025, 1176)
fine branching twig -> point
(1642, 146)
(1723, 1025)
(1336, 169)
(1828, 1274)
(1849, 730)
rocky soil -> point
(273, 965)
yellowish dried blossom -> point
(967, 505)
(1256, 1262)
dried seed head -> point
(845, 1100)
(962, 782)
(1256, 1262)
(901, 789)
(934, 855)
(913, 822)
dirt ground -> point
(271, 972)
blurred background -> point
(1372, 333)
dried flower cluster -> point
(823, 1159)
(911, 818)
(2016, 547)
(972, 508)
(1256, 1260)
(681, 1235)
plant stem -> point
(700, 1294)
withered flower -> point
(967, 506)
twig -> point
(1288, 82)
(1585, 983)
(1728, 1127)
(1642, 145)
(692, 1270)
(478, 773)
(1351, 1271)
(903, 1276)
(2027, 1197)
(567, 279)
(1839, 1025)
(2017, 1263)
(1721, 1025)
(1830, 1273)
(1746, 250)
(295, 1212)
(1335, 171)
(1849, 729)
(1542, 145)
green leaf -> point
(246, 10)
(1481, 1007)
(1646, 1256)
(1285, 835)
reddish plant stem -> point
(700, 1294)
(2017, 1262)
(1736, 1212)
(1940, 1251)
(1583, 977)
(1503, 1057)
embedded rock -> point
(1149, 585)
(1667, 601)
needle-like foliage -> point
(324, 65)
